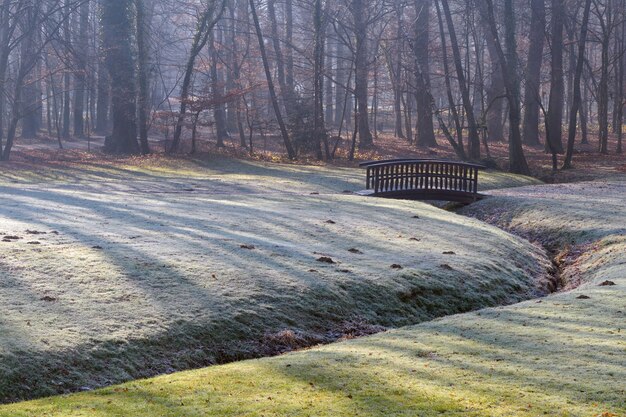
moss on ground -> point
(113, 272)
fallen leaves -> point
(35, 232)
(326, 259)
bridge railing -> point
(425, 175)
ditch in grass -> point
(157, 273)
(562, 355)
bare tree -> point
(533, 72)
(554, 142)
(270, 84)
(576, 99)
(209, 17)
(517, 160)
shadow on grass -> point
(204, 322)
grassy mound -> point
(562, 355)
(105, 280)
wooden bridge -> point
(423, 179)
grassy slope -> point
(561, 356)
(228, 172)
(147, 275)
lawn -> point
(116, 271)
(561, 355)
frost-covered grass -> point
(563, 355)
(119, 272)
(240, 174)
(530, 360)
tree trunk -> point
(206, 23)
(32, 104)
(517, 160)
(458, 143)
(576, 95)
(474, 138)
(342, 72)
(143, 76)
(533, 73)
(495, 90)
(603, 93)
(287, 94)
(361, 73)
(327, 76)
(103, 100)
(270, 83)
(554, 142)
(425, 128)
(289, 77)
(80, 75)
(230, 34)
(117, 26)
(29, 57)
(217, 88)
(67, 75)
(620, 96)
(318, 81)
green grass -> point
(262, 176)
(559, 356)
(139, 269)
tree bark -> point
(533, 73)
(206, 23)
(270, 83)
(361, 72)
(554, 142)
(117, 25)
(342, 72)
(495, 90)
(576, 95)
(474, 139)
(217, 88)
(80, 76)
(143, 76)
(517, 160)
(425, 128)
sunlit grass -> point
(561, 357)
(126, 272)
(261, 175)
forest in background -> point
(316, 74)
